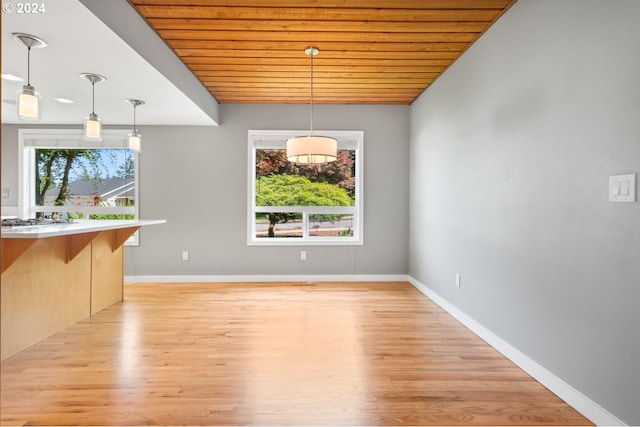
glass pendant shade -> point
(135, 141)
(92, 124)
(93, 128)
(135, 138)
(312, 149)
(28, 103)
(28, 98)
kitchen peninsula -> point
(56, 275)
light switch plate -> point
(622, 188)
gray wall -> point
(196, 179)
(511, 151)
(9, 164)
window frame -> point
(31, 139)
(277, 139)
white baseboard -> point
(573, 397)
(262, 278)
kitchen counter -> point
(76, 227)
(56, 275)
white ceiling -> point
(79, 42)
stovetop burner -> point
(17, 222)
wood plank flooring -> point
(272, 354)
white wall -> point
(510, 155)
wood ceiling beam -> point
(202, 37)
(321, 63)
(351, 4)
(299, 46)
(276, 77)
(318, 14)
(162, 24)
(428, 58)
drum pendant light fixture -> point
(28, 98)
(135, 138)
(92, 124)
(312, 149)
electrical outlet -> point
(185, 256)
(457, 280)
(303, 255)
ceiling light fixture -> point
(28, 98)
(312, 149)
(92, 124)
(135, 138)
(64, 100)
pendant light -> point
(135, 138)
(28, 98)
(92, 124)
(312, 149)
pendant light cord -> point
(311, 86)
(93, 98)
(126, 177)
(28, 65)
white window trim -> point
(276, 139)
(68, 139)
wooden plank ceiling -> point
(371, 52)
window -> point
(62, 175)
(293, 204)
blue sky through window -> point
(108, 165)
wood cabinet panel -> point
(107, 275)
(49, 284)
(42, 293)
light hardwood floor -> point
(272, 354)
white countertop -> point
(77, 227)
